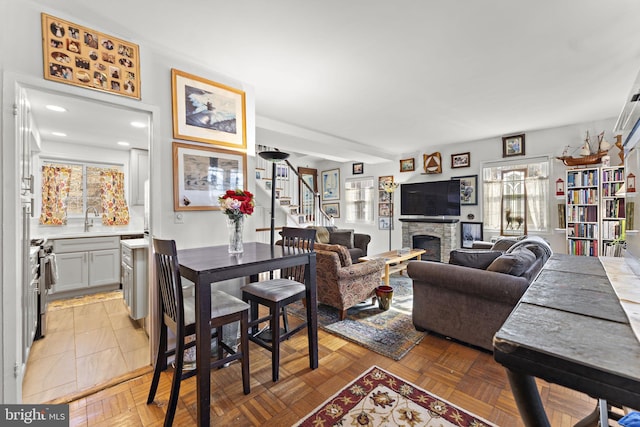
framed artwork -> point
(468, 189)
(383, 196)
(357, 168)
(285, 201)
(513, 145)
(202, 174)
(384, 223)
(631, 183)
(331, 184)
(81, 56)
(293, 211)
(382, 180)
(407, 165)
(206, 111)
(471, 231)
(385, 209)
(282, 171)
(332, 209)
(432, 163)
(462, 160)
(259, 173)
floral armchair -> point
(342, 284)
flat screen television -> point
(435, 198)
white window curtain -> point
(537, 193)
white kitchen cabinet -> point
(139, 173)
(135, 282)
(86, 264)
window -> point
(84, 185)
(516, 197)
(359, 196)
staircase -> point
(286, 184)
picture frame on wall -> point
(331, 184)
(470, 232)
(195, 188)
(513, 145)
(385, 209)
(357, 168)
(468, 189)
(407, 165)
(332, 209)
(81, 56)
(382, 180)
(461, 160)
(384, 222)
(206, 111)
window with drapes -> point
(508, 185)
(89, 185)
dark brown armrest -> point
(361, 241)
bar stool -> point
(276, 294)
(178, 314)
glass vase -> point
(235, 234)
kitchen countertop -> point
(135, 243)
(75, 231)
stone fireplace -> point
(427, 233)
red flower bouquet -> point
(236, 203)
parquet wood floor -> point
(462, 375)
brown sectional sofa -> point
(470, 298)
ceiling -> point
(336, 78)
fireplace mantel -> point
(444, 228)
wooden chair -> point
(178, 314)
(276, 294)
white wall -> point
(545, 142)
(21, 61)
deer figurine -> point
(511, 219)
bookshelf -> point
(583, 211)
(613, 208)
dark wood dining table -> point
(206, 265)
(570, 329)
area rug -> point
(379, 398)
(390, 333)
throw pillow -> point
(473, 258)
(342, 237)
(514, 263)
(322, 235)
(503, 244)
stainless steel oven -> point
(47, 278)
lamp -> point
(390, 187)
(273, 157)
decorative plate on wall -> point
(433, 163)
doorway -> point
(91, 339)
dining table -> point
(207, 265)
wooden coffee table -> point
(394, 262)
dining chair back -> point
(178, 314)
(276, 294)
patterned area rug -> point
(390, 333)
(379, 398)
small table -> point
(394, 261)
(207, 265)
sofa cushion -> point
(342, 237)
(514, 263)
(473, 258)
(322, 235)
(343, 253)
(503, 244)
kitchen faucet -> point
(88, 224)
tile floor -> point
(85, 345)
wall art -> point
(81, 56)
(206, 111)
(201, 174)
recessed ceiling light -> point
(138, 125)
(125, 143)
(56, 108)
(58, 134)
